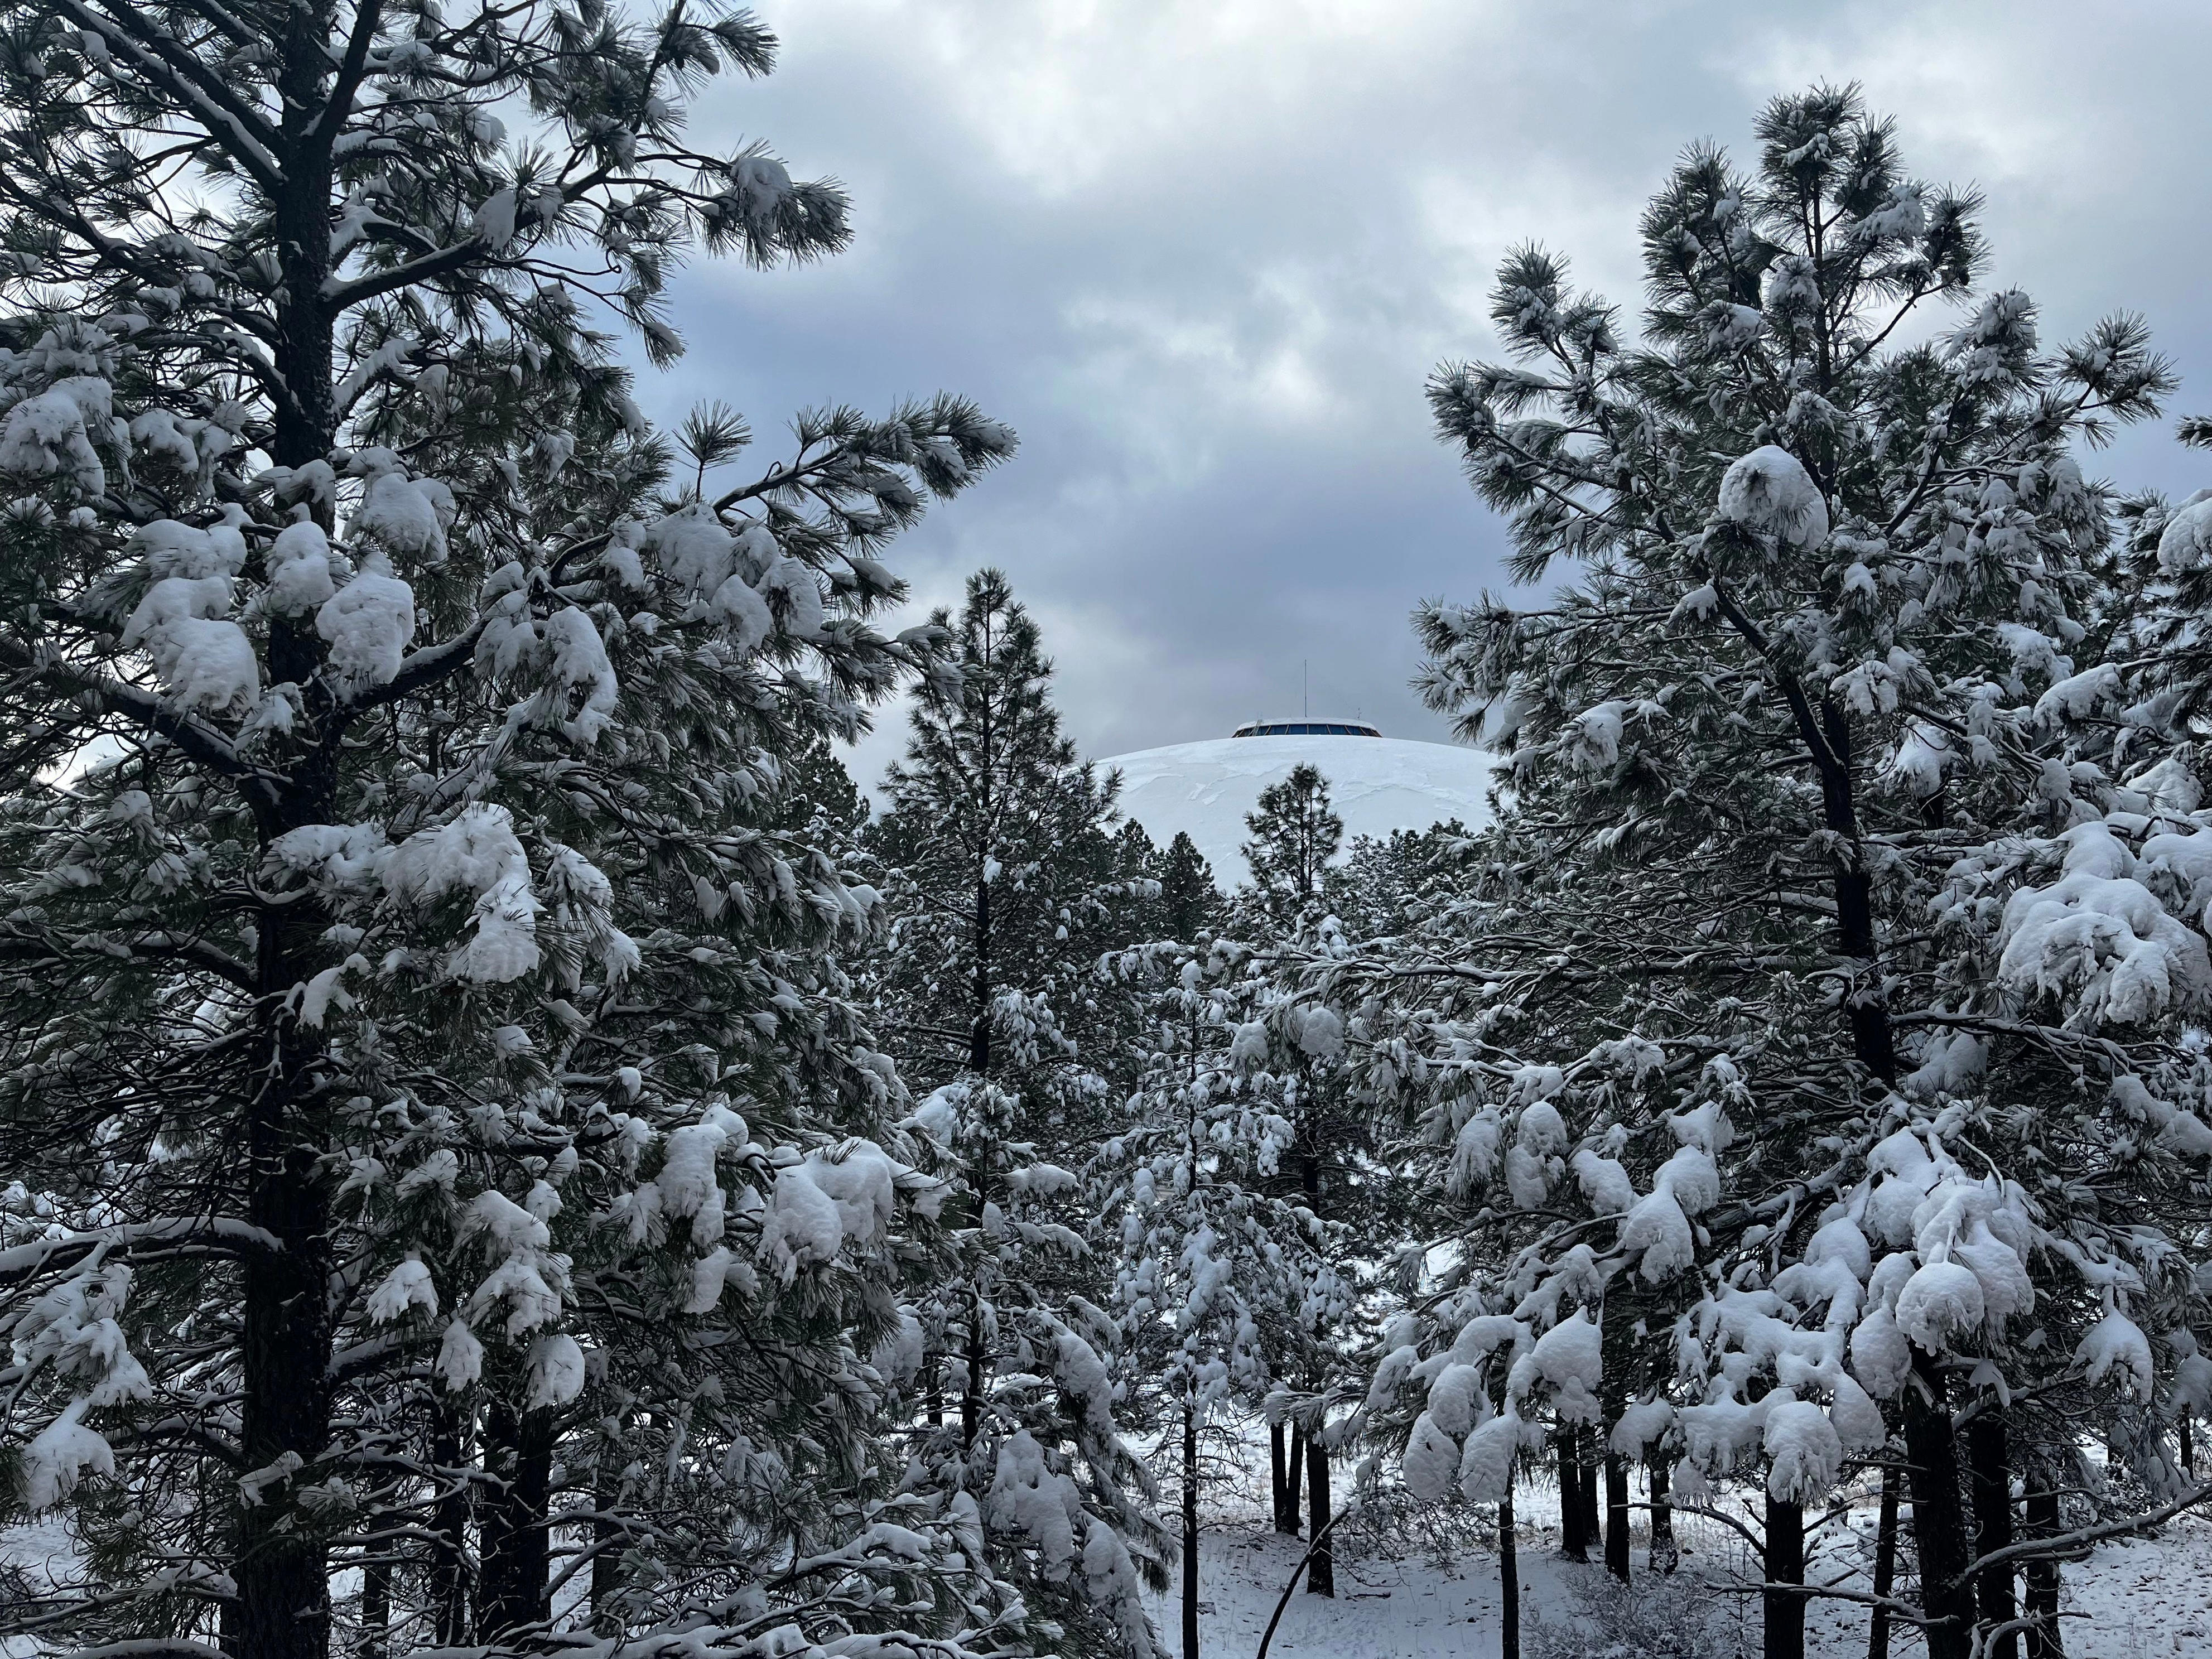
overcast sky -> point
(1202, 255)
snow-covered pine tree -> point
(1189, 905)
(1296, 833)
(1828, 665)
(1294, 1049)
(1203, 1255)
(1000, 872)
(399, 923)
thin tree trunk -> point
(2187, 1446)
(449, 1528)
(1885, 1562)
(606, 1542)
(1291, 1502)
(1190, 1529)
(979, 1035)
(1586, 1488)
(1616, 1516)
(1664, 1556)
(1988, 1461)
(1939, 1517)
(375, 1607)
(1574, 1541)
(2045, 1640)
(1320, 1576)
(512, 1528)
(1616, 1355)
(971, 1391)
(1286, 1517)
(1784, 1612)
(1509, 1581)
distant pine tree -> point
(1295, 833)
(1190, 902)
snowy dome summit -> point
(1376, 784)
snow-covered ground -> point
(2144, 1599)
(1375, 784)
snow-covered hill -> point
(1376, 784)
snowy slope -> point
(1377, 785)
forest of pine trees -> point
(504, 1149)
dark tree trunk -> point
(1509, 1582)
(1782, 1610)
(2045, 1640)
(1885, 1563)
(1190, 1530)
(1574, 1539)
(375, 1607)
(516, 1540)
(1939, 1515)
(1295, 1479)
(280, 1563)
(1664, 1555)
(2187, 1443)
(1586, 1488)
(1989, 1461)
(1617, 1338)
(449, 1528)
(971, 1391)
(979, 1035)
(607, 1538)
(1616, 1516)
(1320, 1576)
(1285, 1494)
(1872, 1041)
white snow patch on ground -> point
(1377, 785)
(1398, 1598)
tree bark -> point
(1617, 1353)
(1664, 1556)
(1885, 1563)
(280, 1563)
(1574, 1539)
(1190, 1529)
(2045, 1639)
(979, 1035)
(512, 1528)
(1783, 1611)
(1616, 1516)
(1320, 1576)
(607, 1535)
(1939, 1517)
(1285, 1495)
(1295, 1476)
(1586, 1488)
(1509, 1581)
(1989, 1461)
(971, 1391)
(449, 1529)
(375, 1607)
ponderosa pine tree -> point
(1296, 833)
(1000, 872)
(1203, 1255)
(1828, 668)
(1190, 905)
(423, 1070)
(1297, 1053)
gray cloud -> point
(1202, 256)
